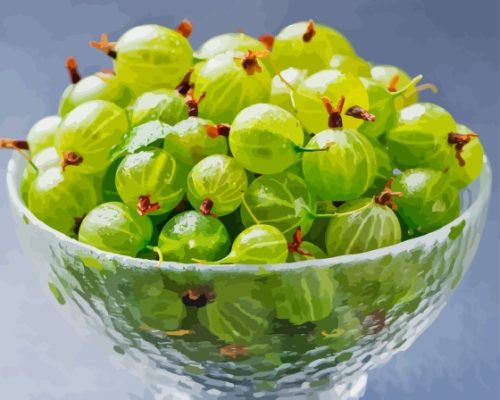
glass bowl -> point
(310, 329)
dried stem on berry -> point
(14, 144)
(105, 46)
(78, 223)
(217, 130)
(360, 113)
(310, 31)
(459, 140)
(250, 62)
(393, 84)
(193, 103)
(185, 28)
(19, 146)
(72, 67)
(206, 208)
(294, 247)
(70, 158)
(267, 40)
(385, 197)
(144, 205)
(184, 86)
(198, 296)
(334, 117)
(234, 351)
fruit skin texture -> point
(153, 172)
(383, 106)
(264, 138)
(304, 297)
(191, 235)
(91, 130)
(343, 172)
(428, 202)
(158, 308)
(316, 234)
(385, 170)
(258, 244)
(238, 313)
(331, 83)
(58, 198)
(281, 200)
(219, 178)
(290, 50)
(166, 105)
(151, 57)
(189, 141)
(237, 42)
(42, 134)
(116, 228)
(372, 227)
(91, 88)
(472, 154)
(43, 160)
(420, 137)
(280, 93)
(229, 88)
(350, 63)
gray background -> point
(455, 44)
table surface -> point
(453, 44)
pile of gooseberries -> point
(283, 149)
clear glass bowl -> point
(310, 329)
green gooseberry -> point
(116, 228)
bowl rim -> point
(482, 196)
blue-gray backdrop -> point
(455, 44)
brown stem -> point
(72, 67)
(267, 40)
(385, 197)
(70, 158)
(234, 351)
(360, 113)
(193, 103)
(198, 296)
(215, 131)
(184, 86)
(250, 62)
(185, 28)
(334, 113)
(294, 247)
(206, 208)
(15, 144)
(78, 223)
(144, 205)
(105, 46)
(310, 31)
(393, 84)
(459, 140)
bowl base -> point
(353, 389)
